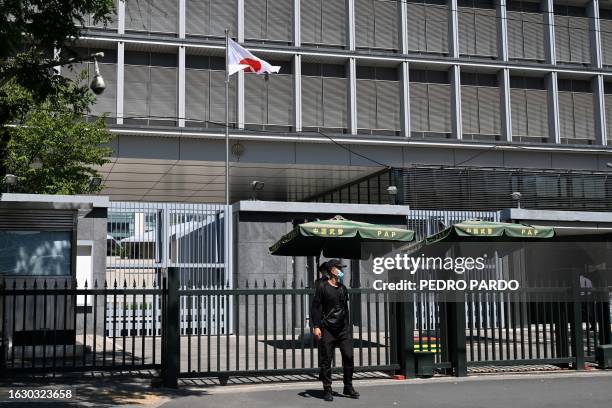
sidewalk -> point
(560, 390)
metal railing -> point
(52, 326)
(271, 333)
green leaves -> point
(53, 150)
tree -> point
(53, 150)
(31, 33)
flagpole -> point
(227, 199)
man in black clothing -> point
(330, 317)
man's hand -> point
(317, 333)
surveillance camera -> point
(257, 185)
(516, 195)
(392, 190)
(97, 84)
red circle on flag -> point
(254, 65)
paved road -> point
(593, 390)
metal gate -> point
(144, 239)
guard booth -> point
(52, 242)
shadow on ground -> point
(100, 390)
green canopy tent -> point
(336, 238)
(575, 249)
(485, 233)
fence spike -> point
(35, 284)
(274, 283)
(283, 283)
(14, 284)
(125, 284)
(134, 285)
(96, 284)
(85, 284)
(247, 283)
(24, 284)
(45, 284)
(265, 285)
(115, 285)
(301, 283)
(105, 284)
(227, 285)
(255, 284)
(55, 285)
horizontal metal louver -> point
(480, 112)
(526, 35)
(419, 118)
(376, 24)
(12, 220)
(366, 104)
(312, 101)
(152, 16)
(323, 22)
(135, 94)
(163, 93)
(572, 39)
(608, 103)
(197, 94)
(576, 115)
(490, 189)
(280, 100)
(210, 18)
(606, 41)
(537, 112)
(334, 102)
(477, 32)
(377, 104)
(430, 107)
(268, 20)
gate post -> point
(577, 333)
(455, 311)
(402, 340)
(172, 340)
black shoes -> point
(327, 394)
(349, 391)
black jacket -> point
(329, 308)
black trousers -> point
(329, 341)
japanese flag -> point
(241, 59)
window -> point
(269, 99)
(323, 22)
(430, 104)
(268, 20)
(572, 35)
(529, 107)
(35, 253)
(428, 26)
(205, 92)
(376, 24)
(525, 31)
(480, 100)
(159, 16)
(150, 90)
(106, 102)
(324, 97)
(576, 113)
(210, 18)
(477, 28)
(378, 99)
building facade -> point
(498, 87)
